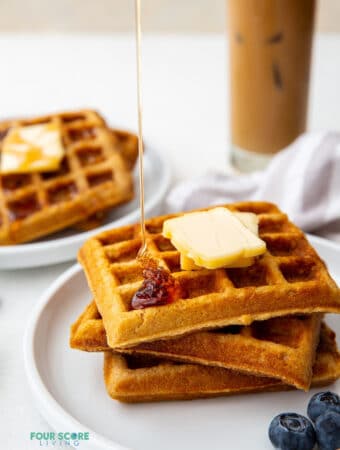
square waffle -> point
(134, 378)
(283, 347)
(127, 144)
(93, 177)
(289, 278)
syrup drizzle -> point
(159, 286)
(143, 250)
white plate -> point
(63, 246)
(70, 393)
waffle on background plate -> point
(95, 175)
(289, 278)
(283, 347)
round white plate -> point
(63, 246)
(70, 394)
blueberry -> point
(327, 427)
(291, 431)
(323, 402)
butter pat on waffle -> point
(93, 176)
(282, 348)
(213, 239)
(289, 278)
(34, 148)
(134, 378)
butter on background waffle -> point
(283, 347)
(289, 278)
(134, 378)
(95, 175)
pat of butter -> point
(250, 221)
(188, 264)
(33, 148)
(215, 238)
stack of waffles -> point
(95, 175)
(253, 329)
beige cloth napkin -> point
(303, 180)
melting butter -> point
(33, 148)
(215, 238)
(188, 264)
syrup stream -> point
(159, 287)
(143, 249)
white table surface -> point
(185, 98)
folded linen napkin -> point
(303, 180)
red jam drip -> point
(159, 288)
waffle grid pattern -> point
(138, 379)
(33, 205)
(282, 347)
(289, 278)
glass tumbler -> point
(270, 51)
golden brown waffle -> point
(88, 333)
(283, 347)
(140, 378)
(288, 279)
(92, 222)
(127, 143)
(93, 177)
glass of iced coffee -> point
(270, 53)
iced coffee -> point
(270, 52)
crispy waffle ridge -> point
(93, 177)
(283, 347)
(289, 278)
(127, 144)
(141, 378)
